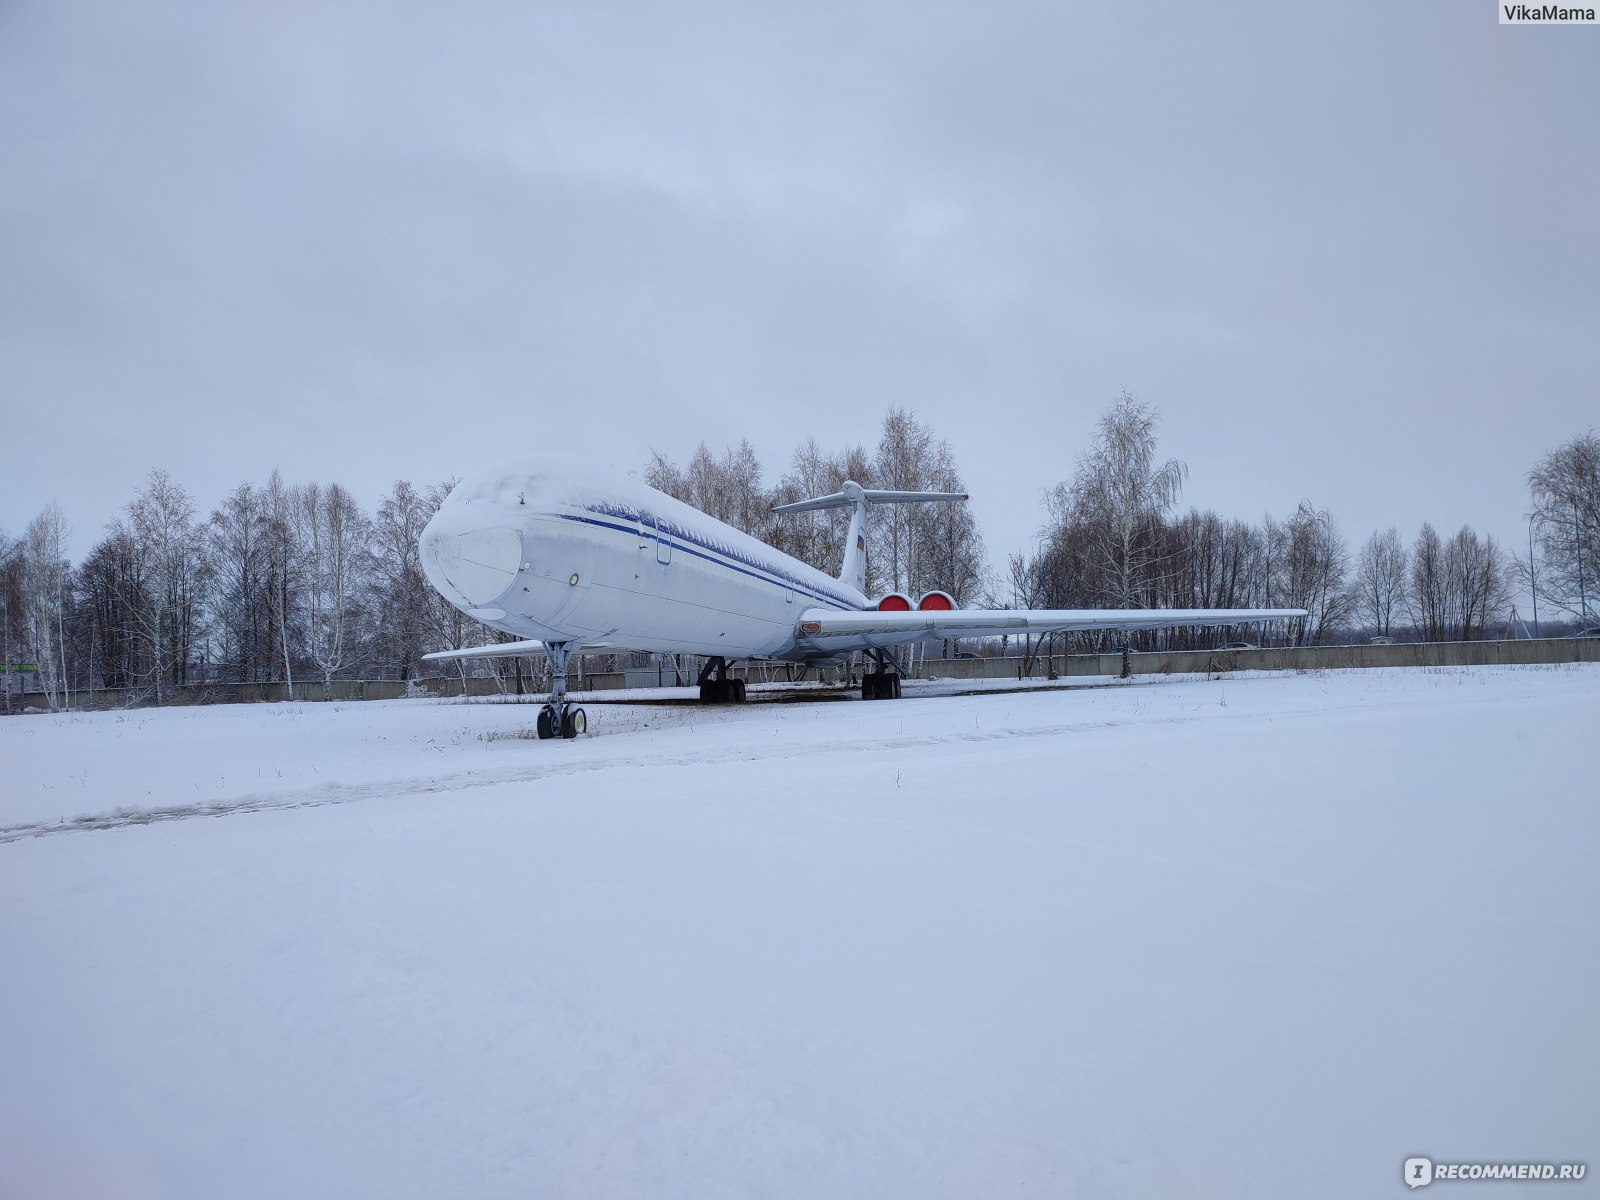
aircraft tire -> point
(545, 726)
(574, 723)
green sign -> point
(23, 668)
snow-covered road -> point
(1262, 936)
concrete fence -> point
(1277, 658)
(341, 690)
(1160, 662)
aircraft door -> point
(661, 537)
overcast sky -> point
(1351, 251)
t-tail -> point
(853, 569)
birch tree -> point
(917, 548)
(402, 588)
(905, 447)
(161, 523)
(1564, 495)
(45, 574)
(1119, 498)
(817, 538)
(334, 536)
(239, 534)
(283, 565)
(1381, 580)
(952, 555)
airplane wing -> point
(493, 650)
(841, 632)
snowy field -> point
(1263, 936)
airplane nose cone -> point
(478, 565)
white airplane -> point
(571, 558)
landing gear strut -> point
(556, 719)
(884, 682)
(716, 686)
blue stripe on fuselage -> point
(701, 550)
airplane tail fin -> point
(853, 570)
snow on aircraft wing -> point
(841, 632)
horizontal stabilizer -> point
(494, 650)
(854, 493)
(853, 567)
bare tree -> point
(403, 590)
(745, 504)
(817, 537)
(918, 548)
(951, 557)
(1120, 496)
(12, 608)
(1381, 580)
(444, 625)
(240, 538)
(1312, 562)
(110, 592)
(1476, 584)
(727, 488)
(166, 610)
(1105, 542)
(1210, 566)
(662, 474)
(283, 563)
(1427, 598)
(45, 574)
(335, 537)
(905, 448)
(1564, 490)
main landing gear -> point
(717, 686)
(884, 682)
(556, 718)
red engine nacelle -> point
(895, 602)
(937, 602)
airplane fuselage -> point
(603, 561)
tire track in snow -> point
(335, 793)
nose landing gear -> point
(556, 718)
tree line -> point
(297, 584)
(1112, 539)
(279, 583)
(912, 549)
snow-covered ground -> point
(1262, 936)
